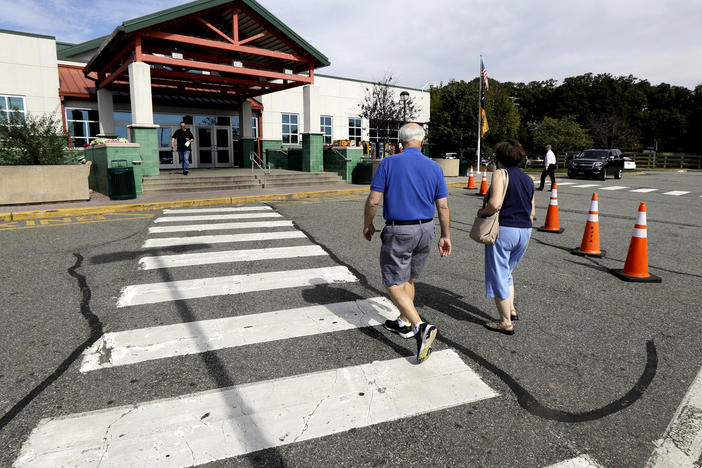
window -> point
(254, 127)
(83, 126)
(291, 134)
(355, 130)
(10, 105)
(325, 125)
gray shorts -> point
(404, 252)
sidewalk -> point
(101, 204)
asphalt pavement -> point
(597, 366)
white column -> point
(140, 94)
(310, 96)
(106, 112)
(245, 115)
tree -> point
(384, 110)
(454, 111)
(562, 134)
(32, 140)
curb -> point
(154, 206)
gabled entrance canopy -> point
(216, 48)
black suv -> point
(597, 163)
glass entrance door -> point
(223, 146)
(167, 157)
(205, 146)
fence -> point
(656, 160)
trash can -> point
(362, 173)
(120, 180)
(462, 167)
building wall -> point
(339, 98)
(29, 68)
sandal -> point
(498, 327)
(514, 317)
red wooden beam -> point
(192, 64)
(229, 39)
(235, 26)
(268, 27)
(224, 46)
(189, 77)
(252, 38)
(113, 76)
(211, 58)
(137, 48)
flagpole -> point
(480, 95)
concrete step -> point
(200, 188)
(270, 184)
(188, 180)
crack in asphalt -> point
(96, 331)
(525, 399)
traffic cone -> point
(471, 182)
(636, 266)
(590, 246)
(483, 184)
(551, 224)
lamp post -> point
(404, 96)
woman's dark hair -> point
(510, 152)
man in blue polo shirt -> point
(410, 184)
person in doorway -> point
(410, 185)
(549, 168)
(182, 141)
(516, 215)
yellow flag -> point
(483, 123)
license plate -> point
(581, 173)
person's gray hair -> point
(411, 131)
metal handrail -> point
(338, 153)
(261, 165)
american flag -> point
(483, 73)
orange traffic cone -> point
(483, 184)
(551, 224)
(636, 266)
(590, 246)
(471, 181)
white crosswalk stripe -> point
(132, 346)
(213, 425)
(644, 190)
(218, 210)
(586, 185)
(215, 217)
(199, 428)
(582, 461)
(676, 193)
(614, 187)
(219, 226)
(152, 293)
(565, 183)
(225, 238)
(229, 256)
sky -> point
(433, 41)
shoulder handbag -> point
(485, 230)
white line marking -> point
(219, 226)
(133, 346)
(171, 219)
(218, 210)
(681, 445)
(586, 185)
(221, 239)
(227, 256)
(614, 187)
(151, 293)
(644, 190)
(676, 193)
(581, 461)
(214, 425)
(564, 183)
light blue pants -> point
(184, 156)
(502, 257)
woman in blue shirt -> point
(516, 214)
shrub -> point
(33, 140)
